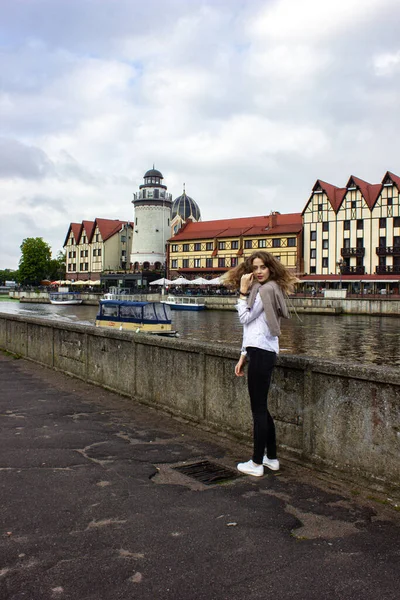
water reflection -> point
(362, 338)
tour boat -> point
(184, 303)
(146, 317)
(64, 298)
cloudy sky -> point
(247, 102)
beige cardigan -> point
(274, 304)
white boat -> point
(184, 303)
(64, 298)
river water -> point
(360, 338)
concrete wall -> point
(343, 418)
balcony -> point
(385, 250)
(346, 252)
(381, 270)
(345, 270)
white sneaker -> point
(272, 463)
(250, 468)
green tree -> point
(35, 261)
(8, 275)
(57, 267)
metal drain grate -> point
(207, 472)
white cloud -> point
(247, 103)
(312, 20)
(387, 64)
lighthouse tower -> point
(151, 223)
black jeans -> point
(261, 365)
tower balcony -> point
(347, 252)
(388, 250)
(346, 270)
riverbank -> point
(381, 306)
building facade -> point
(152, 215)
(354, 230)
(210, 248)
(94, 247)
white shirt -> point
(256, 332)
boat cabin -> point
(147, 317)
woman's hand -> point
(239, 366)
(246, 282)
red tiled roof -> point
(89, 227)
(243, 226)
(76, 230)
(370, 191)
(394, 178)
(109, 227)
(334, 193)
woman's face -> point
(260, 271)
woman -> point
(262, 281)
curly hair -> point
(278, 272)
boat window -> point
(131, 312)
(168, 312)
(109, 311)
(160, 312)
(149, 313)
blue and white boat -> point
(184, 303)
(147, 317)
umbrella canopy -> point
(92, 282)
(215, 281)
(79, 282)
(180, 281)
(162, 281)
(199, 281)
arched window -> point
(136, 266)
(157, 266)
(146, 266)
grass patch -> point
(10, 354)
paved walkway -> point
(91, 509)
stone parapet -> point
(332, 415)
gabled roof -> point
(76, 230)
(89, 227)
(393, 177)
(370, 191)
(334, 194)
(223, 228)
(109, 227)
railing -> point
(381, 270)
(352, 270)
(352, 252)
(384, 250)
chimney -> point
(273, 219)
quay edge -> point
(332, 416)
(332, 306)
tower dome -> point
(186, 208)
(154, 173)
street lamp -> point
(340, 264)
